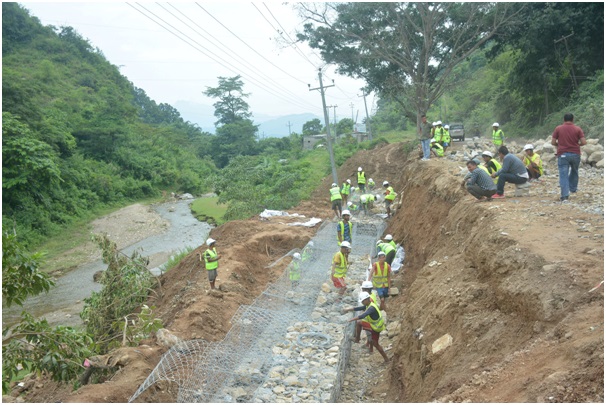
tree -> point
(403, 50)
(345, 126)
(231, 106)
(312, 127)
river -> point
(63, 303)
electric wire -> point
(250, 47)
(204, 53)
(231, 54)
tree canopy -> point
(403, 50)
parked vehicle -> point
(457, 131)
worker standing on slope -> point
(335, 199)
(344, 228)
(361, 180)
(345, 189)
(390, 195)
(380, 275)
(211, 261)
(339, 267)
(371, 320)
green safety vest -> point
(498, 166)
(295, 271)
(379, 276)
(365, 198)
(371, 183)
(438, 133)
(393, 244)
(342, 231)
(439, 149)
(361, 178)
(484, 168)
(211, 254)
(345, 189)
(335, 194)
(534, 159)
(386, 247)
(497, 137)
(376, 325)
(446, 136)
(392, 194)
(341, 269)
(306, 254)
(353, 207)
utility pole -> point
(574, 78)
(367, 117)
(334, 113)
(352, 107)
(327, 123)
(289, 125)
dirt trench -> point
(509, 287)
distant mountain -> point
(278, 127)
(269, 126)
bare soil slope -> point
(508, 280)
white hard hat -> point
(210, 241)
(439, 123)
(376, 197)
(359, 169)
(388, 237)
(379, 242)
(349, 203)
(369, 179)
(348, 181)
(363, 296)
(446, 126)
(386, 183)
(433, 140)
(367, 284)
(381, 253)
(496, 124)
(346, 244)
(296, 256)
(528, 146)
(433, 124)
(487, 153)
(346, 212)
(334, 185)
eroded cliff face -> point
(508, 280)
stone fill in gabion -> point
(287, 326)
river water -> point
(63, 303)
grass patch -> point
(207, 209)
(175, 259)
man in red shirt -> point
(568, 139)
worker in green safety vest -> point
(388, 249)
(371, 320)
(361, 180)
(211, 261)
(366, 201)
(295, 270)
(344, 228)
(336, 199)
(446, 137)
(339, 267)
(352, 206)
(498, 138)
(389, 239)
(436, 148)
(491, 164)
(390, 195)
(345, 189)
(380, 275)
(438, 132)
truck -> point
(457, 131)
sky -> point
(174, 51)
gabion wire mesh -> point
(205, 372)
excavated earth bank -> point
(508, 280)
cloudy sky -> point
(175, 50)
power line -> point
(283, 31)
(251, 67)
(199, 50)
(254, 50)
